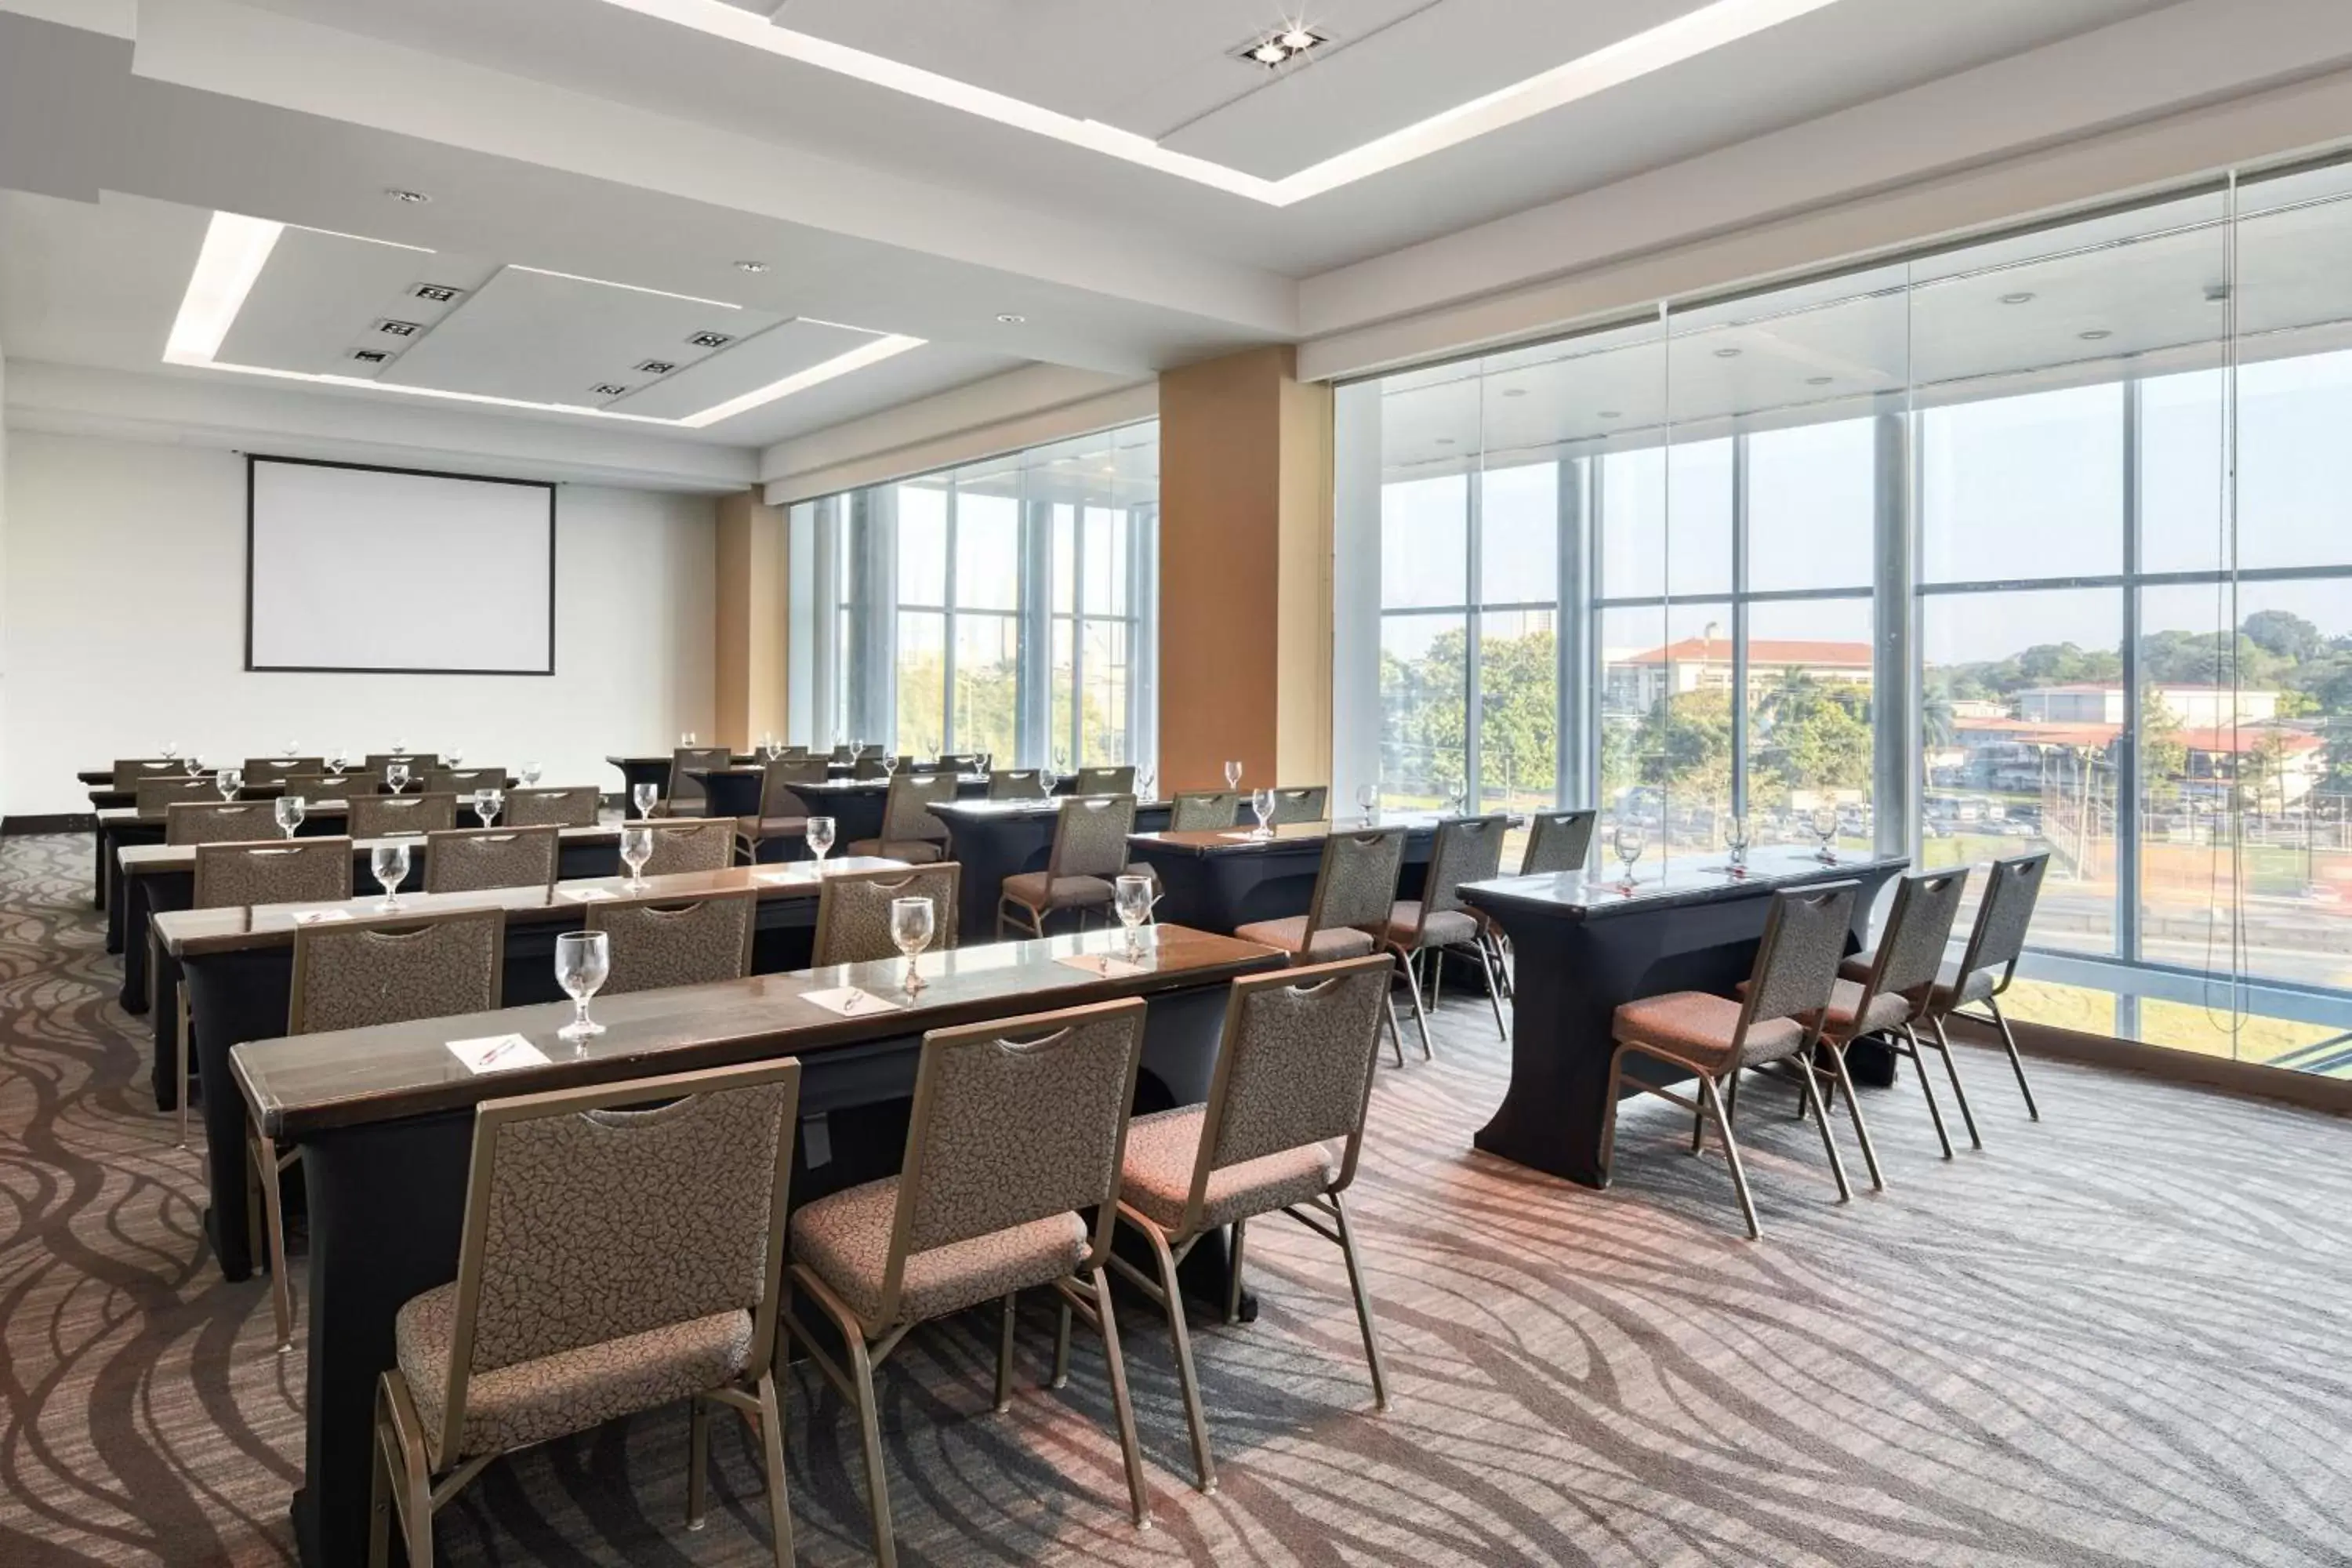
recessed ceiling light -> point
(1515, 391)
(709, 339)
(1610, 414)
(1445, 440)
(2094, 335)
(607, 389)
(1269, 53)
(1819, 380)
(1278, 49)
(371, 356)
(1010, 320)
(2020, 298)
(435, 293)
(1298, 38)
(656, 367)
(750, 267)
(400, 329)
(1726, 353)
(413, 198)
(236, 249)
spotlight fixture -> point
(435, 293)
(1726, 353)
(709, 339)
(1515, 391)
(2097, 334)
(2020, 298)
(1445, 440)
(1610, 414)
(371, 356)
(400, 329)
(1010, 320)
(1819, 380)
(1277, 49)
(413, 198)
(656, 367)
(750, 267)
(607, 389)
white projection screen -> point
(351, 568)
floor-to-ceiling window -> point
(2042, 542)
(1006, 606)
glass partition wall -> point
(2044, 541)
(1007, 606)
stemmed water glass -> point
(530, 771)
(1826, 827)
(291, 810)
(1047, 777)
(911, 930)
(171, 749)
(454, 757)
(390, 864)
(1457, 795)
(339, 761)
(230, 781)
(1232, 776)
(488, 804)
(1262, 807)
(1736, 839)
(196, 765)
(890, 764)
(686, 739)
(582, 959)
(819, 832)
(1368, 801)
(1631, 838)
(644, 795)
(396, 776)
(291, 750)
(1146, 778)
(636, 849)
(1132, 899)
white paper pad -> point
(850, 1001)
(778, 878)
(1245, 837)
(586, 895)
(1105, 965)
(316, 917)
(497, 1053)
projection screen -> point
(351, 568)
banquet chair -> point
(471, 859)
(853, 910)
(658, 942)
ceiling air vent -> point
(399, 329)
(435, 293)
(657, 366)
(607, 389)
(710, 340)
(371, 356)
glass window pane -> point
(987, 551)
(922, 544)
(2181, 503)
(1666, 725)
(1519, 535)
(2023, 487)
(987, 667)
(1103, 721)
(2295, 466)
(1425, 542)
(921, 682)
(1106, 585)
(1518, 710)
(1060, 723)
(1811, 503)
(1064, 569)
(1809, 703)
(1424, 699)
(1665, 521)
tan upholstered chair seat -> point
(1163, 1150)
(1887, 1011)
(555, 1396)
(1290, 935)
(1949, 993)
(1041, 890)
(1699, 1027)
(1446, 927)
(845, 1239)
(913, 851)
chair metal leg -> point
(2016, 1062)
(1494, 946)
(1121, 1404)
(1187, 1378)
(1061, 1377)
(1004, 1352)
(697, 1459)
(1363, 1303)
(1234, 1273)
(1919, 1066)
(1809, 1088)
(1731, 1155)
(1419, 1019)
(1396, 1035)
(869, 1433)
(1952, 1071)
(771, 1453)
(1854, 1110)
(263, 1152)
(1494, 992)
(1436, 964)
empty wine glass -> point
(910, 931)
(1368, 801)
(1825, 828)
(399, 745)
(196, 765)
(1046, 778)
(291, 750)
(171, 749)
(390, 864)
(291, 810)
(230, 781)
(1232, 776)
(530, 771)
(339, 761)
(1631, 838)
(819, 834)
(890, 765)
(1147, 779)
(1131, 896)
(455, 756)
(396, 776)
(488, 804)
(686, 739)
(636, 849)
(1736, 839)
(1457, 795)
(582, 959)
(644, 795)
(1262, 807)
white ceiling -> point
(588, 138)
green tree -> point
(2163, 758)
(1683, 746)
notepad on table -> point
(851, 1002)
(1105, 964)
(497, 1053)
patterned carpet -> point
(2115, 1337)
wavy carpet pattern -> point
(2117, 1338)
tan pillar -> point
(748, 668)
(1245, 572)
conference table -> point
(239, 967)
(1222, 879)
(994, 839)
(1582, 947)
(855, 805)
(385, 1120)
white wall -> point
(123, 625)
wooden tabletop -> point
(185, 932)
(307, 1083)
(142, 859)
(1689, 880)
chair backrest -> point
(150, 796)
(465, 781)
(1918, 929)
(1357, 884)
(468, 860)
(853, 910)
(1796, 968)
(295, 871)
(419, 762)
(686, 791)
(1468, 850)
(1558, 841)
(780, 783)
(957, 763)
(668, 943)
(276, 769)
(1312, 804)
(1014, 783)
(219, 821)
(588, 1221)
(1104, 781)
(692, 844)
(129, 772)
(573, 805)
(868, 765)
(908, 812)
(360, 974)
(1204, 811)
(1090, 836)
(1017, 1120)
(332, 786)
(1294, 1068)
(383, 815)
(1999, 936)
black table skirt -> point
(1226, 890)
(993, 849)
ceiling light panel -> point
(785, 349)
(320, 296)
